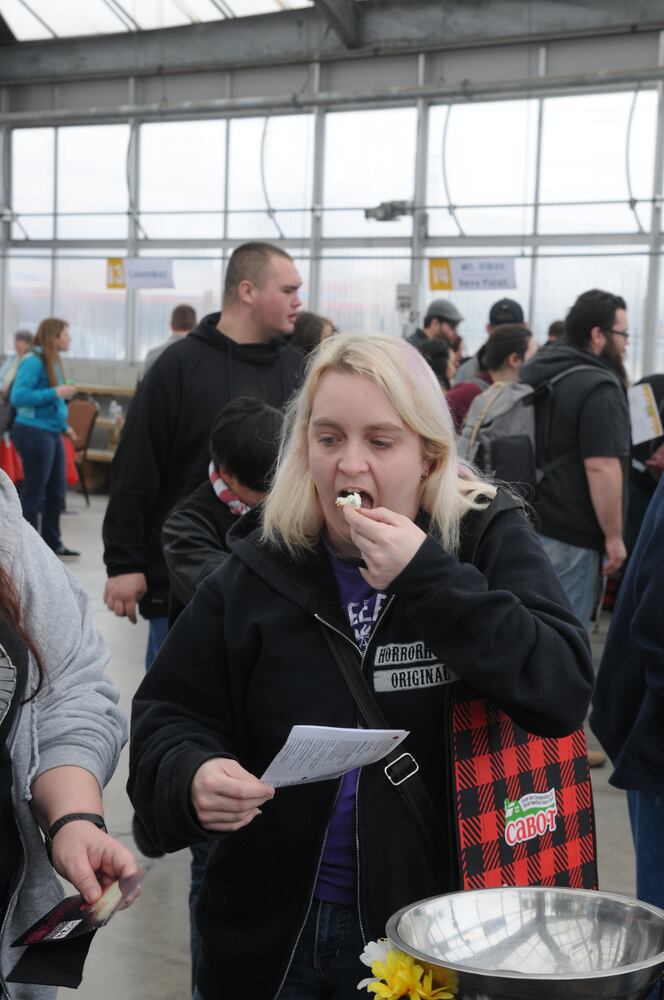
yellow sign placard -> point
(440, 274)
(115, 272)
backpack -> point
(7, 411)
(498, 435)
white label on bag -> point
(531, 816)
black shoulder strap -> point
(545, 391)
(401, 768)
(476, 523)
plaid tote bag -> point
(524, 802)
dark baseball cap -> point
(505, 311)
(443, 309)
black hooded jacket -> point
(628, 701)
(587, 417)
(247, 660)
(163, 452)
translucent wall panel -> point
(358, 290)
(28, 293)
(271, 165)
(94, 17)
(474, 306)
(68, 17)
(486, 152)
(303, 265)
(564, 273)
(369, 158)
(96, 314)
(182, 170)
(588, 152)
(22, 22)
(197, 283)
(32, 182)
(92, 178)
(245, 8)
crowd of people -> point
(226, 531)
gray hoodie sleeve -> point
(76, 710)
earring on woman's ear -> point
(424, 475)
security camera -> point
(389, 210)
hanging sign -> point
(115, 272)
(461, 274)
(440, 275)
(149, 272)
(139, 272)
(644, 414)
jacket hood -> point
(301, 579)
(554, 358)
(258, 355)
(308, 579)
(11, 532)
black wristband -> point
(94, 818)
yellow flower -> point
(399, 976)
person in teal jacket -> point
(38, 395)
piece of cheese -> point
(351, 500)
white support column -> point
(651, 308)
(315, 239)
(133, 194)
(420, 215)
(5, 230)
(541, 72)
(54, 266)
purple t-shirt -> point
(338, 870)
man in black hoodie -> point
(163, 453)
(583, 431)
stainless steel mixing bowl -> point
(536, 943)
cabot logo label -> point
(530, 816)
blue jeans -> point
(646, 816)
(44, 482)
(158, 630)
(578, 572)
(326, 964)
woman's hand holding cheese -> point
(387, 541)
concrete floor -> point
(143, 953)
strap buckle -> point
(413, 765)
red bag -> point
(10, 460)
(70, 461)
(524, 803)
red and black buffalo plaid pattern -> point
(495, 760)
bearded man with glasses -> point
(583, 427)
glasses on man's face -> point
(619, 333)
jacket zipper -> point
(359, 776)
(311, 898)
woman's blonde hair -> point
(292, 516)
(46, 337)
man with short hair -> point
(183, 321)
(163, 451)
(583, 435)
(441, 321)
(556, 331)
(502, 313)
(22, 343)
